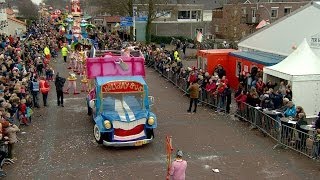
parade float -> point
(118, 101)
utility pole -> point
(134, 22)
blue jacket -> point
(290, 112)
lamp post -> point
(134, 22)
(269, 13)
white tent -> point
(302, 69)
(280, 36)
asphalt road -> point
(60, 145)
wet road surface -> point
(59, 144)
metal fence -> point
(282, 130)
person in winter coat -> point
(59, 83)
(44, 89)
(34, 86)
(228, 93)
(194, 95)
(241, 100)
(291, 110)
(11, 133)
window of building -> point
(199, 30)
(287, 10)
(238, 68)
(244, 11)
(243, 33)
(163, 14)
(195, 14)
(184, 15)
(253, 11)
(235, 12)
(274, 13)
(216, 28)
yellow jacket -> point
(46, 51)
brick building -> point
(236, 20)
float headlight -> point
(151, 121)
(107, 124)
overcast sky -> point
(36, 1)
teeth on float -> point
(130, 125)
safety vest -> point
(35, 86)
(64, 51)
(175, 54)
(46, 51)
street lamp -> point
(269, 13)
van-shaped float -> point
(119, 101)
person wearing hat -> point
(178, 167)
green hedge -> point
(168, 39)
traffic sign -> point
(126, 23)
(128, 18)
(143, 18)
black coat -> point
(59, 83)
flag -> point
(262, 24)
(199, 36)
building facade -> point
(182, 18)
(235, 21)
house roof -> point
(112, 19)
(17, 21)
(9, 11)
(259, 57)
(109, 19)
(280, 36)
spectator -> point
(11, 134)
(220, 71)
(302, 133)
(228, 98)
(194, 95)
(35, 91)
(291, 110)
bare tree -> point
(155, 9)
(26, 8)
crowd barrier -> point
(269, 123)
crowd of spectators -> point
(215, 90)
(24, 64)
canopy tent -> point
(301, 69)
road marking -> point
(203, 158)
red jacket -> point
(23, 108)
